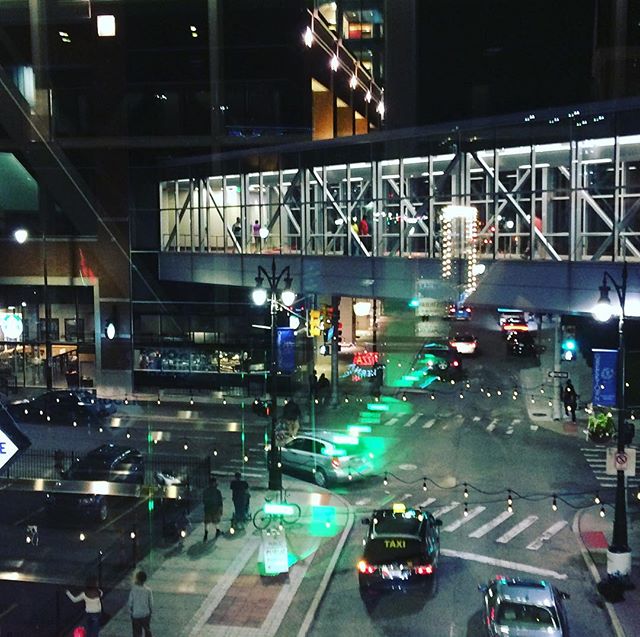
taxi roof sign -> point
(399, 507)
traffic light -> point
(569, 343)
(314, 323)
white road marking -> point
(516, 566)
(534, 427)
(492, 425)
(445, 509)
(509, 431)
(492, 524)
(426, 503)
(391, 421)
(515, 421)
(464, 519)
(547, 535)
(476, 418)
(428, 424)
(404, 497)
(362, 501)
(412, 420)
(517, 529)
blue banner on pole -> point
(286, 350)
(605, 373)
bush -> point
(601, 425)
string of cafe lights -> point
(507, 495)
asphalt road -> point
(487, 442)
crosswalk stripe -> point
(464, 519)
(492, 425)
(391, 421)
(428, 424)
(476, 418)
(412, 420)
(509, 431)
(515, 421)
(534, 427)
(426, 503)
(362, 501)
(492, 524)
(517, 529)
(445, 509)
(547, 535)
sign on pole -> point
(621, 461)
(556, 374)
(605, 372)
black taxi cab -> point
(401, 549)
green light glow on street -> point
(359, 429)
(151, 505)
(377, 407)
(343, 439)
(274, 508)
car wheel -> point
(103, 512)
(320, 478)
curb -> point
(613, 616)
(324, 584)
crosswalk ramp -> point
(596, 457)
(476, 522)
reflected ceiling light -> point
(362, 308)
(106, 26)
(353, 82)
(20, 235)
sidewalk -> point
(214, 588)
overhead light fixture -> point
(106, 26)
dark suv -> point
(438, 359)
(401, 549)
(63, 407)
(108, 463)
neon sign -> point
(365, 359)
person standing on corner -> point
(212, 501)
(257, 239)
(92, 598)
(240, 496)
(140, 606)
(237, 232)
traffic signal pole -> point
(557, 382)
(335, 340)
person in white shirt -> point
(140, 606)
(92, 598)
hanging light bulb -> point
(433, 396)
(224, 401)
(128, 434)
(246, 458)
(158, 401)
(466, 491)
(597, 498)
(404, 397)
(466, 510)
(215, 452)
(232, 531)
(385, 481)
(554, 504)
(350, 477)
(346, 398)
(509, 503)
(126, 400)
(185, 446)
(461, 395)
(602, 512)
(424, 484)
(499, 392)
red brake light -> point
(424, 569)
(335, 463)
(456, 363)
(365, 568)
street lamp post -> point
(287, 296)
(619, 553)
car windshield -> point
(395, 524)
(511, 613)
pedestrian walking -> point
(257, 239)
(212, 501)
(92, 598)
(236, 229)
(140, 606)
(313, 384)
(363, 231)
(240, 496)
(570, 400)
(291, 416)
(324, 388)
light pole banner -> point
(286, 350)
(605, 367)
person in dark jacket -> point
(240, 496)
(570, 400)
(212, 501)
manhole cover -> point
(408, 467)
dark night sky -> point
(499, 56)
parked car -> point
(108, 463)
(523, 607)
(401, 549)
(63, 407)
(521, 344)
(328, 456)
(464, 343)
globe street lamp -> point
(619, 553)
(260, 295)
(21, 235)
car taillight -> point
(366, 568)
(335, 463)
(423, 569)
(455, 363)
